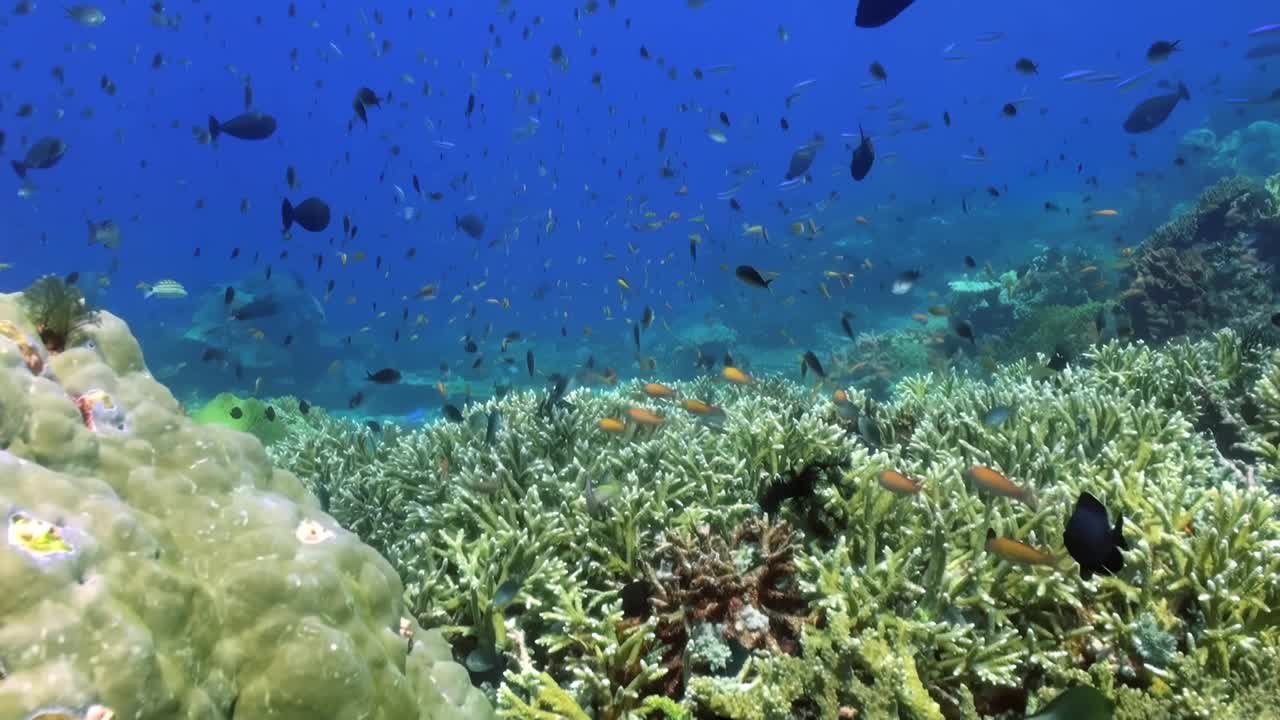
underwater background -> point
(696, 359)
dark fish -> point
(528, 361)
(646, 319)
(229, 296)
(312, 214)
(1078, 703)
(1009, 110)
(304, 407)
(905, 281)
(365, 96)
(452, 413)
(635, 332)
(878, 72)
(236, 413)
(751, 276)
(969, 262)
(863, 157)
(1091, 539)
(355, 401)
(946, 118)
(1152, 112)
(811, 361)
(875, 13)
(801, 160)
(385, 376)
(270, 413)
(246, 126)
(1160, 50)
(491, 428)
(1058, 361)
(373, 425)
(43, 155)
(361, 113)
(1026, 66)
(847, 324)
(471, 224)
(635, 599)
(72, 278)
(662, 139)
(261, 307)
(471, 105)
(996, 416)
(965, 330)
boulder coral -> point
(155, 568)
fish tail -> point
(215, 128)
(19, 168)
(1182, 91)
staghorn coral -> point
(901, 612)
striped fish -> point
(166, 290)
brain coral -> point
(157, 568)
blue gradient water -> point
(134, 159)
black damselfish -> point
(1091, 539)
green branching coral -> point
(898, 609)
(58, 311)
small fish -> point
(246, 126)
(878, 72)
(1078, 703)
(1105, 212)
(1091, 539)
(105, 232)
(905, 281)
(642, 416)
(1026, 66)
(86, 15)
(751, 276)
(846, 324)
(646, 319)
(471, 224)
(613, 426)
(528, 361)
(1016, 552)
(996, 416)
(735, 376)
(304, 407)
(236, 413)
(896, 482)
(997, 484)
(864, 156)
(385, 376)
(1160, 50)
(964, 330)
(811, 361)
(1009, 110)
(1152, 112)
(452, 413)
(876, 13)
(229, 295)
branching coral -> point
(896, 610)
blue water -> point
(134, 159)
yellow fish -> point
(622, 283)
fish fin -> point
(215, 128)
(1090, 503)
(1117, 535)
(19, 168)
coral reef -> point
(847, 599)
(156, 568)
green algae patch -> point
(252, 416)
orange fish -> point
(735, 376)
(697, 407)
(839, 397)
(997, 484)
(896, 482)
(1016, 552)
(658, 390)
(612, 425)
(645, 417)
(1105, 212)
